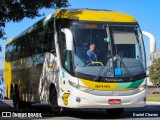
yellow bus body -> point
(83, 15)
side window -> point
(11, 52)
(49, 44)
(26, 47)
(64, 54)
(38, 35)
(22, 47)
(31, 42)
(14, 51)
(18, 46)
(51, 35)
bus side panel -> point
(34, 76)
(20, 73)
(35, 71)
(48, 76)
(25, 73)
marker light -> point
(141, 88)
(80, 87)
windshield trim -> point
(111, 79)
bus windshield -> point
(108, 54)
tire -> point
(114, 112)
(56, 110)
(11, 94)
(16, 100)
(23, 104)
(28, 104)
(1, 96)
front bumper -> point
(80, 99)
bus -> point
(48, 63)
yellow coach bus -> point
(79, 58)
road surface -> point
(146, 113)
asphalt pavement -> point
(37, 111)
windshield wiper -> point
(100, 71)
(110, 56)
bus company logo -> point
(6, 114)
(115, 80)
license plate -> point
(114, 101)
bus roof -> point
(83, 14)
(9, 41)
(95, 15)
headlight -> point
(141, 88)
(80, 87)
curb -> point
(153, 103)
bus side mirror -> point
(69, 38)
(152, 41)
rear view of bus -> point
(117, 78)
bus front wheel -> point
(115, 111)
(54, 103)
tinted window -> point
(7, 53)
(49, 37)
(37, 41)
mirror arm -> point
(152, 41)
(69, 38)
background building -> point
(154, 56)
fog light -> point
(141, 88)
(78, 99)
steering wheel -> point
(96, 63)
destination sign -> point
(90, 26)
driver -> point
(91, 55)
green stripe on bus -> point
(130, 84)
(123, 85)
(136, 84)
